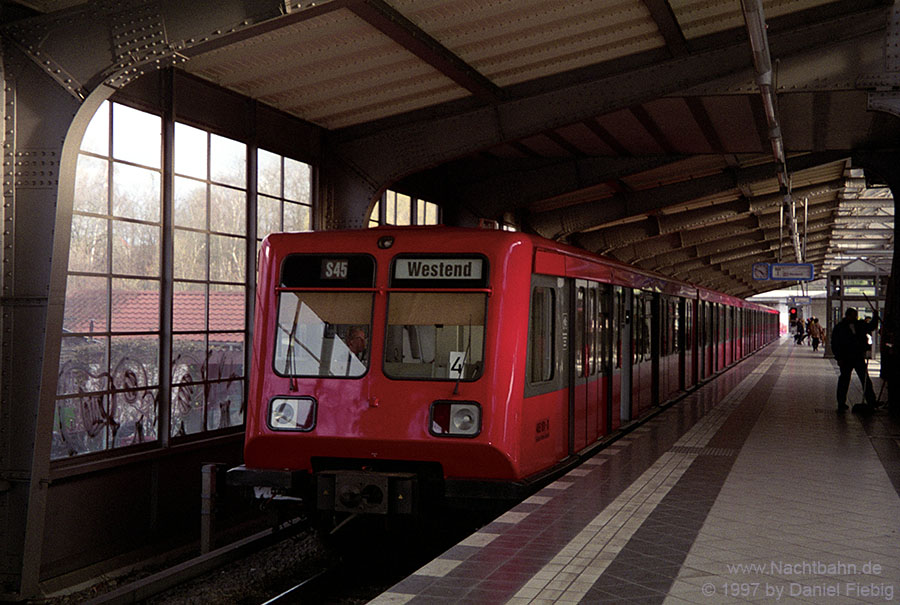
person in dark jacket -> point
(849, 343)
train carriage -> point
(393, 366)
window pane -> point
(188, 371)
(323, 334)
(296, 217)
(79, 425)
(92, 185)
(390, 214)
(135, 249)
(190, 203)
(437, 336)
(190, 151)
(227, 258)
(86, 300)
(137, 136)
(189, 307)
(226, 356)
(82, 366)
(226, 400)
(135, 414)
(228, 161)
(190, 261)
(88, 248)
(134, 363)
(136, 193)
(135, 305)
(269, 173)
(226, 308)
(268, 215)
(228, 210)
(296, 181)
(96, 137)
(404, 217)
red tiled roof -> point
(138, 311)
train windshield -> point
(324, 315)
(435, 336)
(323, 333)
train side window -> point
(543, 314)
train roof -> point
(551, 257)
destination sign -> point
(788, 271)
(438, 268)
(321, 271)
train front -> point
(378, 380)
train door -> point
(596, 400)
(606, 347)
(720, 337)
(728, 352)
(715, 333)
(680, 336)
(701, 334)
(580, 367)
(626, 332)
(670, 360)
(657, 362)
(642, 358)
(690, 343)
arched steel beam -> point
(565, 221)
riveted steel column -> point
(38, 114)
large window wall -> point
(399, 209)
(163, 280)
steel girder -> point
(566, 221)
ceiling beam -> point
(397, 27)
(563, 222)
(669, 28)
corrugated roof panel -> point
(334, 70)
(703, 17)
(689, 168)
(515, 41)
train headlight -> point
(292, 414)
(455, 419)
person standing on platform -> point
(849, 344)
(798, 339)
(816, 333)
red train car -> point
(393, 366)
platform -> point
(753, 488)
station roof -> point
(677, 135)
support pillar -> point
(345, 195)
(887, 166)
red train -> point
(393, 366)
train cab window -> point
(543, 304)
(436, 318)
(323, 333)
(324, 315)
(435, 336)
